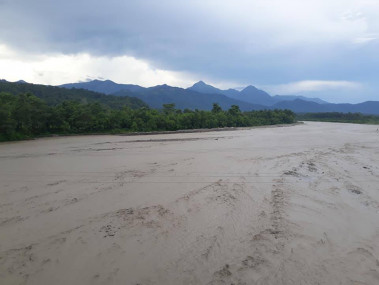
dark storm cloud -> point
(264, 42)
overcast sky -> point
(324, 48)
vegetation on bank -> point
(26, 116)
(356, 118)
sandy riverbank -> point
(291, 205)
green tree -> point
(216, 108)
(168, 108)
(234, 110)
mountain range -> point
(202, 96)
(158, 95)
(250, 94)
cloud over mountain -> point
(244, 42)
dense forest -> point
(53, 95)
(356, 118)
(26, 116)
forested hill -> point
(55, 95)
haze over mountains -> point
(202, 96)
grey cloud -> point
(186, 36)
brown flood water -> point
(285, 205)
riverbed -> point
(281, 205)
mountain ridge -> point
(54, 95)
(250, 94)
(158, 95)
(248, 98)
(102, 86)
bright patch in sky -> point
(56, 69)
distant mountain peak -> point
(101, 81)
(161, 85)
(205, 88)
(103, 86)
(250, 87)
(202, 87)
(201, 84)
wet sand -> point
(288, 205)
